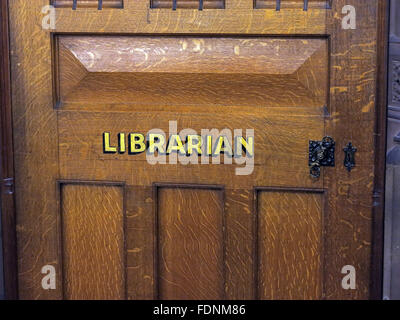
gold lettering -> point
(121, 143)
(223, 146)
(175, 144)
(243, 144)
(196, 146)
(107, 148)
(159, 144)
(209, 145)
(136, 143)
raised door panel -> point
(120, 85)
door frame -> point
(7, 210)
(376, 280)
(7, 197)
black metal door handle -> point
(321, 154)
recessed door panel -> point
(290, 244)
(92, 242)
(190, 243)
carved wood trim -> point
(100, 4)
(299, 4)
(192, 4)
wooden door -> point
(115, 226)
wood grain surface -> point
(352, 106)
(190, 244)
(35, 152)
(323, 81)
(238, 17)
(223, 71)
(281, 156)
(195, 54)
(290, 245)
(93, 241)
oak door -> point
(114, 225)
